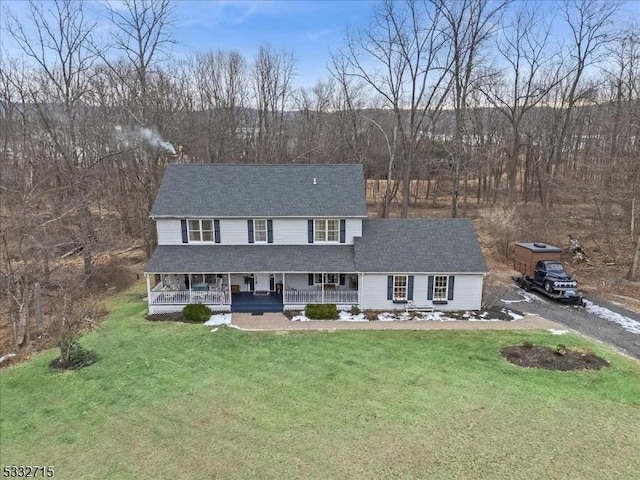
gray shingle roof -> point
(419, 246)
(214, 190)
(251, 258)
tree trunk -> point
(635, 264)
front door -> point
(262, 282)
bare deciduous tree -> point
(531, 69)
(470, 25)
(404, 58)
(273, 75)
(56, 38)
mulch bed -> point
(174, 317)
(59, 364)
(166, 317)
(559, 358)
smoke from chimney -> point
(148, 135)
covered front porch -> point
(250, 292)
(215, 275)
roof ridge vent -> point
(315, 181)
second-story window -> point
(327, 230)
(201, 231)
(260, 230)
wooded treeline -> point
(500, 102)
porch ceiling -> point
(251, 258)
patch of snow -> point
(7, 357)
(344, 316)
(433, 317)
(219, 319)
(627, 323)
(214, 330)
(526, 297)
(557, 332)
(513, 315)
(347, 317)
(243, 329)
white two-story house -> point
(272, 237)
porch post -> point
(322, 288)
(283, 289)
(190, 285)
(148, 289)
(229, 287)
(360, 278)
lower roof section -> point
(419, 245)
(251, 258)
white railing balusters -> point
(183, 297)
(315, 296)
(301, 297)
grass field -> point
(177, 401)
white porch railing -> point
(183, 297)
(315, 296)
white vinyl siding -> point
(353, 229)
(467, 292)
(169, 231)
(233, 231)
(290, 231)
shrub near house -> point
(326, 311)
(196, 312)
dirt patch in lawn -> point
(166, 317)
(60, 364)
(548, 358)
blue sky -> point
(311, 29)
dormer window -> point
(201, 231)
(327, 230)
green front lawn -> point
(177, 401)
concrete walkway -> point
(278, 322)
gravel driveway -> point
(602, 320)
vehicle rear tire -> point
(548, 287)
